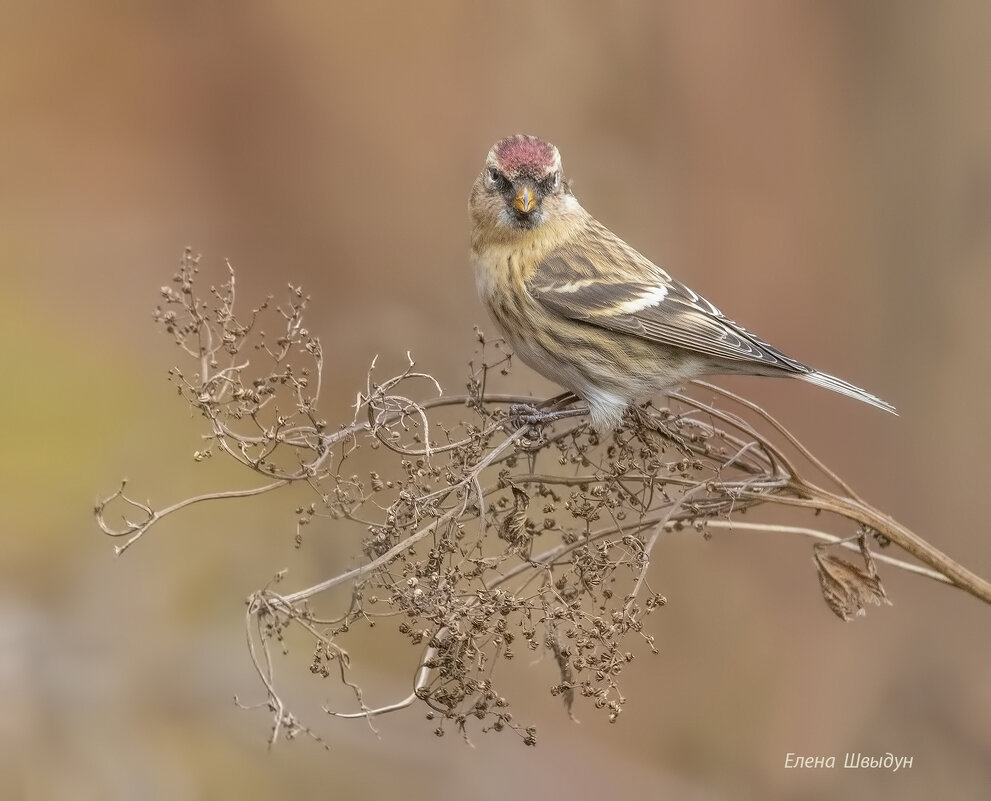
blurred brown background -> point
(820, 170)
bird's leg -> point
(526, 414)
(564, 399)
(522, 413)
(548, 411)
(533, 419)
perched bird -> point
(586, 310)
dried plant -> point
(490, 526)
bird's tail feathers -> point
(845, 388)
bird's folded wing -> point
(651, 305)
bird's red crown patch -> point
(525, 153)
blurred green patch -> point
(68, 397)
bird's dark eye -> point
(494, 178)
(552, 181)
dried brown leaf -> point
(846, 587)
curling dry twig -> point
(486, 523)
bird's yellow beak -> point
(525, 201)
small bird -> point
(586, 310)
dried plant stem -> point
(822, 536)
(925, 552)
(490, 523)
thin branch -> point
(772, 528)
(137, 530)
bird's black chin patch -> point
(525, 221)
